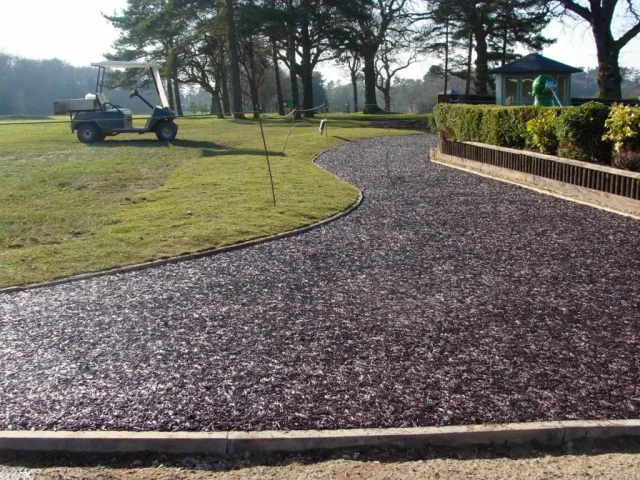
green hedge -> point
(577, 131)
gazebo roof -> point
(535, 63)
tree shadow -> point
(153, 143)
(206, 147)
(222, 151)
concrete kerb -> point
(240, 443)
(200, 254)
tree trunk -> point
(446, 59)
(370, 101)
(609, 76)
(387, 99)
(170, 94)
(224, 87)
(276, 71)
(293, 74)
(307, 70)
(467, 86)
(178, 100)
(233, 61)
(354, 86)
(307, 85)
(482, 68)
(216, 105)
(251, 78)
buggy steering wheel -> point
(134, 92)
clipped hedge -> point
(495, 125)
(576, 132)
(580, 131)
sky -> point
(75, 31)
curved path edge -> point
(208, 252)
(240, 443)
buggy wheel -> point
(166, 131)
(88, 133)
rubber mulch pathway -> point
(446, 298)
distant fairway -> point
(68, 208)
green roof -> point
(535, 63)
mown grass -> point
(68, 208)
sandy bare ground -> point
(610, 460)
(608, 466)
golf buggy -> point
(94, 117)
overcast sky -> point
(75, 31)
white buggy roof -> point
(154, 70)
(123, 64)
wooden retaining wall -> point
(610, 187)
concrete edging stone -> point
(240, 443)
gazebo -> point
(514, 80)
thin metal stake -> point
(266, 152)
(293, 121)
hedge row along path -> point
(446, 298)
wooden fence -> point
(596, 177)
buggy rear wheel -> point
(88, 133)
(166, 131)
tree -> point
(599, 14)
(151, 29)
(353, 63)
(519, 23)
(388, 65)
(238, 112)
(361, 27)
(496, 28)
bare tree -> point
(388, 64)
(599, 14)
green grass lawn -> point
(68, 208)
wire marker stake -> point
(266, 153)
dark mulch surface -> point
(447, 298)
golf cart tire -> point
(88, 133)
(166, 131)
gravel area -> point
(446, 298)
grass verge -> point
(68, 208)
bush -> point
(495, 125)
(627, 160)
(623, 129)
(580, 132)
(572, 132)
(542, 132)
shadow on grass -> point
(208, 148)
(153, 143)
(222, 151)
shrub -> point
(623, 129)
(580, 131)
(542, 132)
(627, 160)
(495, 125)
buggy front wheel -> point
(166, 131)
